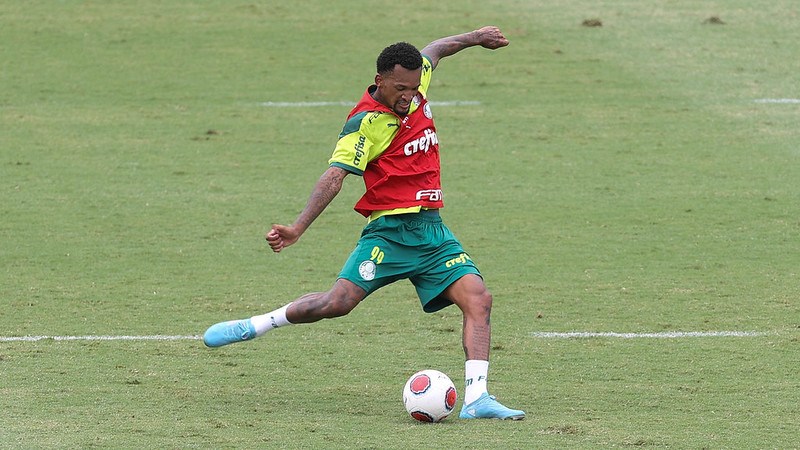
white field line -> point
(537, 334)
(660, 335)
(98, 338)
(351, 104)
(777, 100)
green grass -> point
(618, 178)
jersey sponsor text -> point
(359, 148)
(433, 195)
(422, 144)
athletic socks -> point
(475, 373)
(270, 320)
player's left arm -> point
(487, 37)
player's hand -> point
(491, 37)
(281, 236)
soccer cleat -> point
(225, 333)
(487, 407)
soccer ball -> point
(429, 396)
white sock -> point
(270, 320)
(475, 373)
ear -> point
(378, 79)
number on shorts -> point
(377, 254)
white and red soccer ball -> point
(429, 396)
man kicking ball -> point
(389, 139)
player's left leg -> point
(470, 294)
(342, 298)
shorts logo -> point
(367, 270)
(462, 259)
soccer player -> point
(390, 140)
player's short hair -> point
(401, 53)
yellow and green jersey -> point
(398, 157)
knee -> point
(484, 300)
(479, 304)
(339, 305)
(341, 299)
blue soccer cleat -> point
(487, 407)
(225, 333)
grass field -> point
(637, 177)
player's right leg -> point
(469, 293)
(337, 302)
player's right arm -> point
(326, 189)
(487, 37)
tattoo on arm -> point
(326, 189)
(488, 37)
(447, 46)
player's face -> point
(397, 88)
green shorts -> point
(416, 246)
